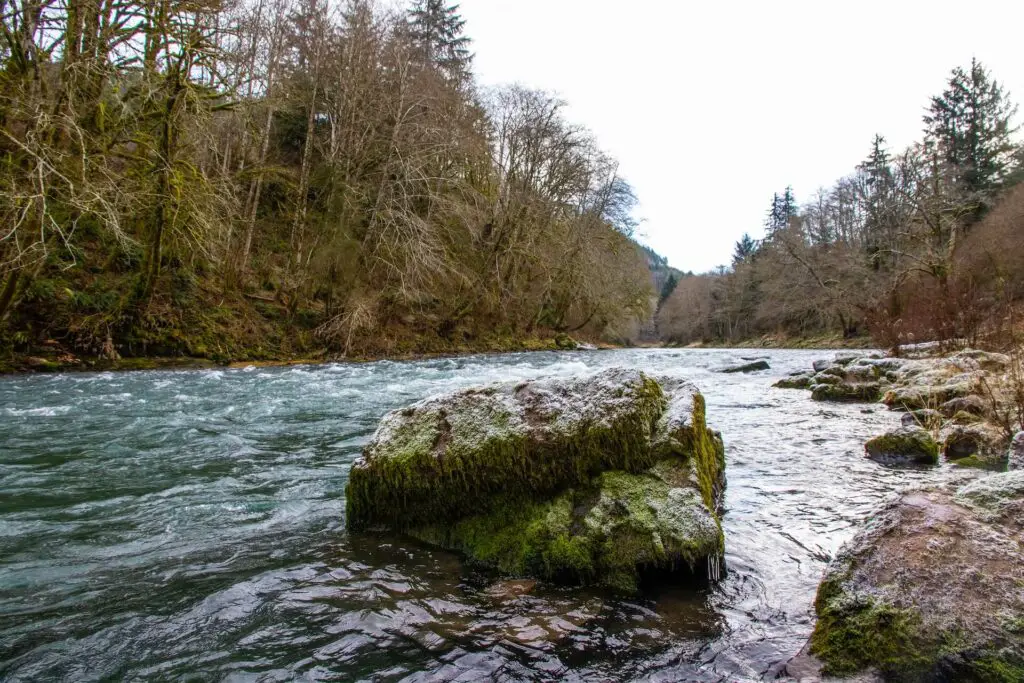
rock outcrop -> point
(930, 589)
(959, 397)
(584, 480)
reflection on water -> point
(180, 524)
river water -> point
(190, 525)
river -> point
(189, 525)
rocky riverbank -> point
(930, 588)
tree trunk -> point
(7, 293)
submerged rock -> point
(585, 480)
(904, 446)
(753, 366)
(930, 589)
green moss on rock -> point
(605, 532)
(799, 380)
(928, 589)
(585, 481)
(447, 457)
(854, 633)
(903, 446)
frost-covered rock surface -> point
(930, 588)
(591, 479)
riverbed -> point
(190, 525)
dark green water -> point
(190, 526)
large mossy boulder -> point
(585, 480)
(904, 446)
(930, 589)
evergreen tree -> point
(878, 199)
(667, 288)
(744, 251)
(437, 30)
(970, 122)
(783, 209)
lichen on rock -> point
(584, 480)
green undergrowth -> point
(67, 316)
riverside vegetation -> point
(266, 179)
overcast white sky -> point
(711, 107)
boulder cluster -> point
(950, 403)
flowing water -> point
(190, 525)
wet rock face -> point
(1016, 456)
(591, 479)
(930, 588)
(904, 446)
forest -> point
(247, 179)
(916, 245)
